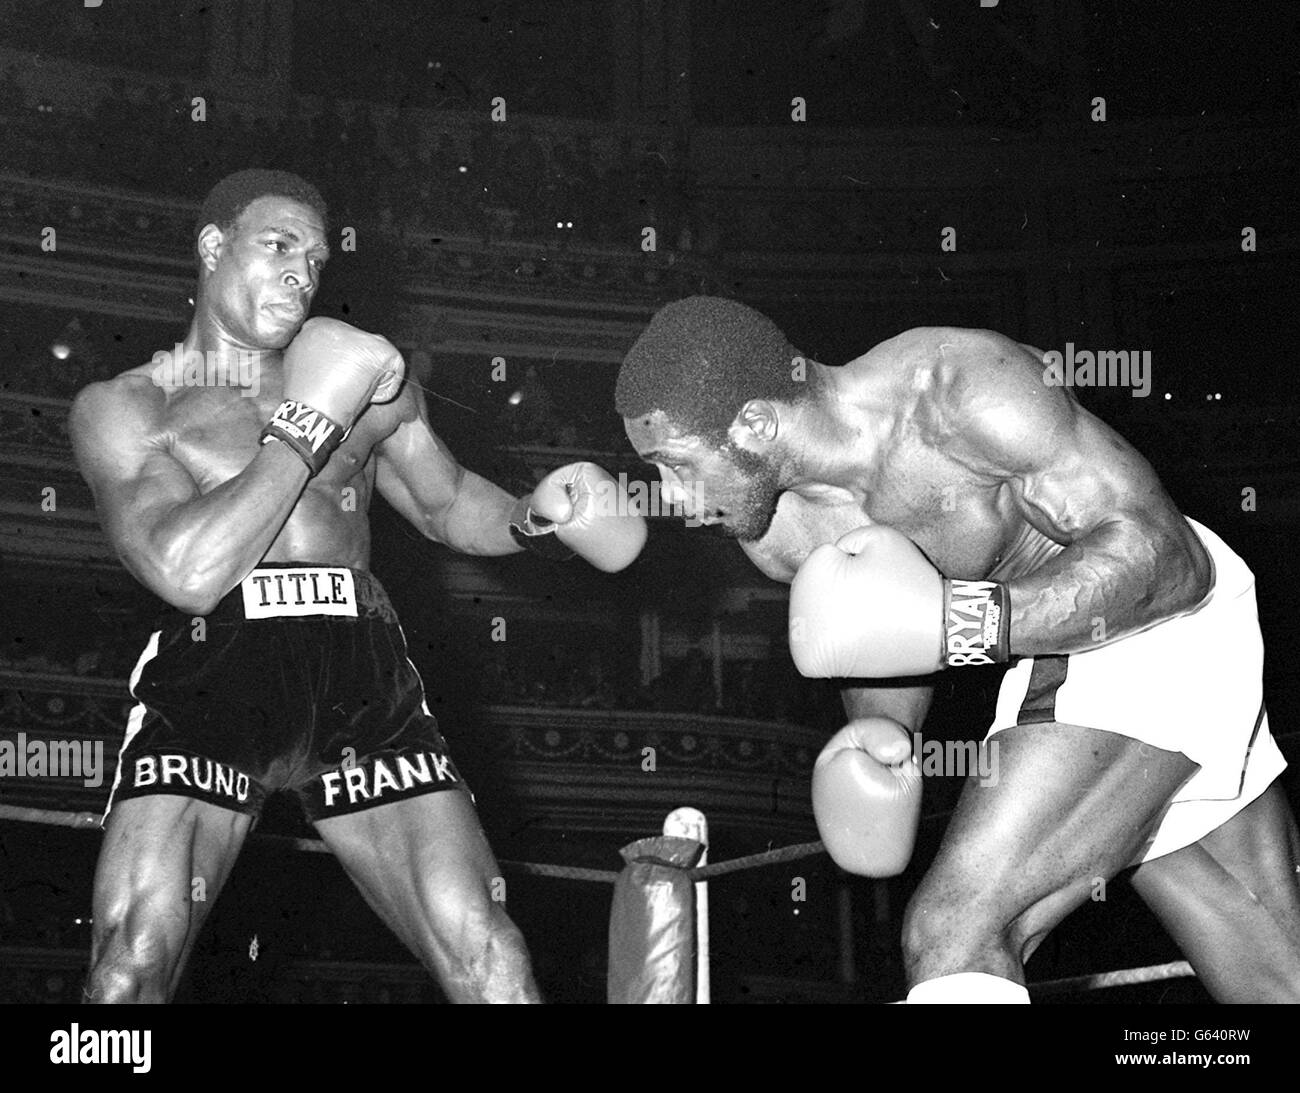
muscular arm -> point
(422, 480)
(188, 548)
(1130, 560)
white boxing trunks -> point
(1193, 684)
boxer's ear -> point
(208, 246)
(757, 420)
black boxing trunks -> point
(298, 680)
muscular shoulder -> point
(940, 362)
(129, 401)
(980, 391)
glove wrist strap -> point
(536, 534)
(312, 436)
(976, 623)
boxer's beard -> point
(751, 515)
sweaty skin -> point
(953, 438)
(192, 503)
(186, 494)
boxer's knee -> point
(949, 927)
(129, 963)
(968, 922)
(475, 948)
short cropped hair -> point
(700, 360)
(234, 193)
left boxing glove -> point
(873, 606)
(332, 371)
(866, 794)
(587, 511)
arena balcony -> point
(610, 774)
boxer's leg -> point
(1232, 902)
(425, 867)
(1071, 808)
(160, 855)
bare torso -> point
(213, 433)
(962, 516)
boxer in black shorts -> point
(236, 716)
(233, 476)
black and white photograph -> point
(700, 502)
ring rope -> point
(1127, 977)
(1178, 969)
(89, 820)
(766, 857)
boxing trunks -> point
(299, 680)
(1193, 684)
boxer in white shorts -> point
(1193, 684)
(943, 501)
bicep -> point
(1090, 477)
(1067, 471)
(417, 474)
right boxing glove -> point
(866, 794)
(872, 605)
(590, 514)
(332, 371)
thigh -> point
(419, 862)
(1232, 902)
(1071, 807)
(163, 862)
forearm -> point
(1120, 579)
(478, 520)
(204, 547)
(897, 699)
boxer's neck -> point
(834, 438)
(218, 348)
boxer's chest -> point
(966, 526)
(215, 434)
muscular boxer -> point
(233, 477)
(936, 503)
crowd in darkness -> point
(559, 677)
(490, 181)
(769, 690)
(105, 658)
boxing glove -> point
(332, 371)
(588, 513)
(866, 794)
(871, 605)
